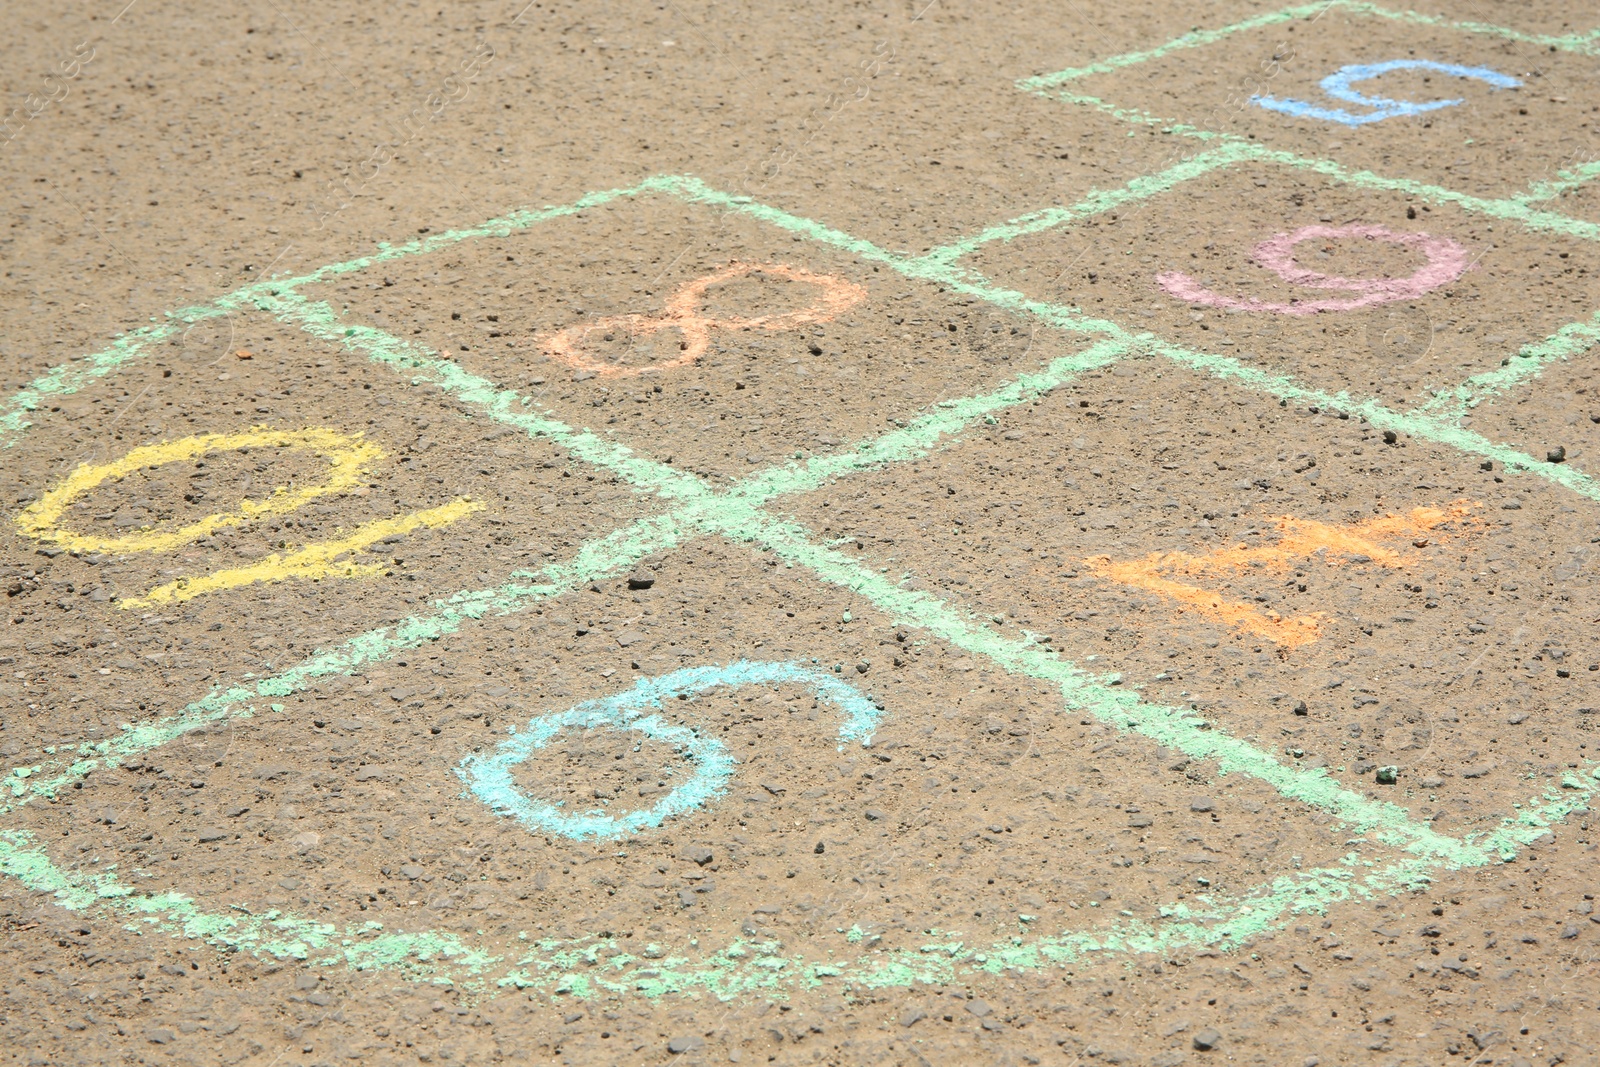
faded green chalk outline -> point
(1515, 208)
(503, 405)
(736, 514)
(921, 435)
(1096, 202)
(576, 967)
(273, 934)
(1439, 429)
(68, 378)
(601, 557)
(1566, 180)
(1192, 39)
(1571, 340)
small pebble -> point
(687, 1043)
(1202, 804)
(1207, 1039)
(1388, 775)
(698, 854)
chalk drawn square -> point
(374, 497)
(349, 796)
(1372, 293)
(1484, 111)
(715, 341)
(1212, 550)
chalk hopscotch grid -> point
(797, 544)
(736, 514)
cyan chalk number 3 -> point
(1339, 86)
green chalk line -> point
(695, 191)
(1441, 430)
(1096, 202)
(68, 378)
(1582, 43)
(578, 968)
(1227, 923)
(1577, 42)
(921, 435)
(1192, 39)
(732, 512)
(1514, 208)
(361, 945)
(1571, 340)
(1565, 181)
(1510, 209)
(1425, 424)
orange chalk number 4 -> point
(1174, 575)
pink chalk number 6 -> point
(1447, 261)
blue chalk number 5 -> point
(1339, 86)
